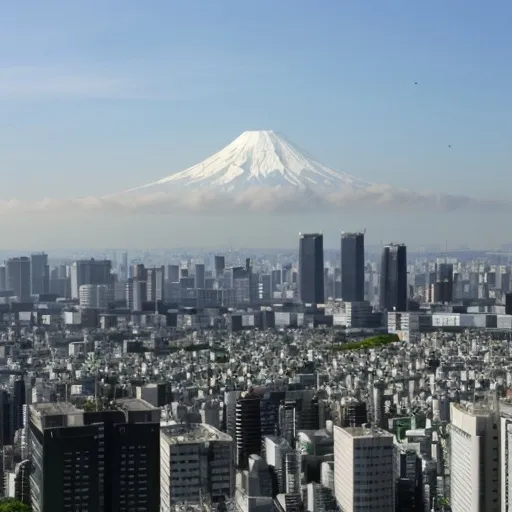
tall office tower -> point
(102, 461)
(39, 274)
(443, 288)
(123, 274)
(393, 278)
(90, 272)
(139, 294)
(364, 464)
(248, 427)
(219, 264)
(3, 278)
(173, 273)
(6, 419)
(18, 277)
(94, 296)
(409, 489)
(139, 271)
(199, 278)
(155, 284)
(196, 465)
(352, 267)
(311, 268)
(474, 458)
(19, 399)
(506, 457)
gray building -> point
(199, 282)
(352, 267)
(90, 272)
(393, 278)
(39, 274)
(18, 277)
(311, 268)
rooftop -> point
(133, 404)
(366, 432)
(192, 433)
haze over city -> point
(95, 99)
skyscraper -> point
(352, 267)
(18, 277)
(39, 274)
(89, 272)
(393, 278)
(219, 266)
(311, 268)
(474, 460)
(199, 281)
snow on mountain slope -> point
(259, 159)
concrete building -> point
(474, 460)
(39, 274)
(89, 272)
(101, 461)
(18, 277)
(364, 470)
(196, 465)
(311, 268)
(94, 296)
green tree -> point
(12, 505)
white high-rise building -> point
(195, 465)
(94, 296)
(506, 462)
(474, 459)
(364, 478)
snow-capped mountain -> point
(259, 159)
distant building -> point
(199, 277)
(89, 272)
(94, 296)
(218, 266)
(393, 278)
(18, 277)
(39, 274)
(352, 267)
(311, 268)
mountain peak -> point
(262, 158)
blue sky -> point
(98, 96)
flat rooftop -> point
(366, 432)
(192, 433)
(48, 409)
(134, 404)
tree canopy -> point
(12, 505)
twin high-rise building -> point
(393, 278)
(352, 267)
(18, 277)
(39, 274)
(311, 268)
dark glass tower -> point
(311, 268)
(393, 278)
(352, 267)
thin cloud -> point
(34, 82)
(262, 201)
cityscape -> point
(255, 256)
(310, 380)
